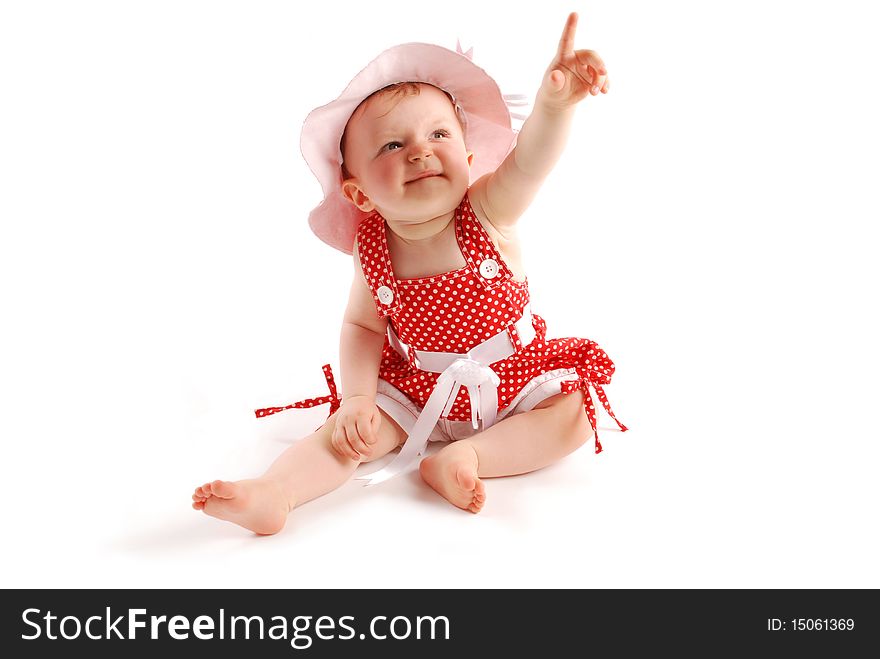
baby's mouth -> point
(424, 175)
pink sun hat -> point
(478, 100)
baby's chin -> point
(417, 210)
(419, 213)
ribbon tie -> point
(587, 379)
(477, 378)
(482, 386)
(332, 398)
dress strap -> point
(375, 260)
(478, 250)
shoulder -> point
(501, 236)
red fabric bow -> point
(586, 379)
(332, 398)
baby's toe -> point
(223, 489)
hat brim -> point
(489, 134)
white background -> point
(711, 225)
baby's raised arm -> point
(360, 352)
(572, 76)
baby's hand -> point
(573, 74)
(357, 427)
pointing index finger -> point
(566, 41)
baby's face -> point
(406, 156)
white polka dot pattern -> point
(457, 310)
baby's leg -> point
(305, 471)
(518, 444)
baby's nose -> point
(419, 152)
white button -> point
(386, 295)
(489, 268)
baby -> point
(438, 340)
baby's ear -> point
(352, 191)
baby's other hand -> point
(573, 74)
(357, 428)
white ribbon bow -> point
(482, 386)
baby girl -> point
(438, 342)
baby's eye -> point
(391, 146)
(437, 134)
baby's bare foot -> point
(258, 505)
(453, 474)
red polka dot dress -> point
(455, 311)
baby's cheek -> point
(462, 170)
(378, 181)
(386, 173)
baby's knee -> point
(325, 433)
(572, 426)
(580, 432)
(329, 426)
(572, 433)
(388, 437)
